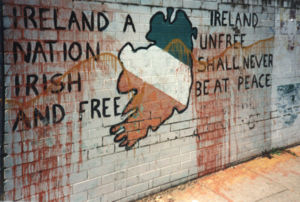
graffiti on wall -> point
(291, 28)
(160, 76)
(146, 71)
(288, 101)
(55, 91)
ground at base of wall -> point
(262, 179)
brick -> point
(152, 2)
(168, 136)
(149, 192)
(188, 148)
(113, 177)
(175, 3)
(132, 181)
(7, 22)
(137, 188)
(78, 177)
(82, 196)
(101, 170)
(169, 169)
(93, 166)
(115, 196)
(30, 2)
(138, 169)
(149, 175)
(180, 125)
(100, 151)
(161, 180)
(100, 190)
(86, 185)
(160, 163)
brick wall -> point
(115, 100)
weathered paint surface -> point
(263, 179)
(187, 90)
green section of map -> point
(163, 32)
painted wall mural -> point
(145, 67)
(288, 102)
(98, 90)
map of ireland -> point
(159, 76)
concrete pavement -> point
(263, 179)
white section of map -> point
(160, 69)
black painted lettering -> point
(268, 80)
(220, 39)
(198, 88)
(242, 39)
(81, 110)
(104, 107)
(210, 65)
(224, 18)
(265, 56)
(90, 50)
(254, 81)
(218, 85)
(205, 43)
(45, 82)
(229, 18)
(65, 51)
(50, 44)
(57, 83)
(43, 118)
(42, 18)
(85, 21)
(106, 22)
(247, 77)
(31, 84)
(205, 90)
(38, 50)
(240, 82)
(258, 62)
(228, 67)
(260, 80)
(234, 63)
(116, 106)
(225, 83)
(15, 17)
(220, 64)
(270, 60)
(21, 117)
(128, 21)
(247, 20)
(70, 82)
(56, 107)
(238, 20)
(30, 17)
(72, 20)
(56, 26)
(212, 41)
(217, 18)
(228, 40)
(252, 61)
(254, 20)
(17, 85)
(71, 51)
(95, 103)
(26, 55)
(246, 62)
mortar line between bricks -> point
(146, 5)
